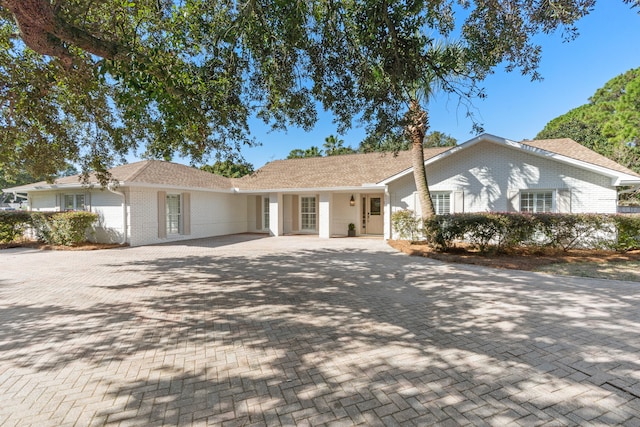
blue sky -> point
(515, 108)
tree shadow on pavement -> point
(360, 336)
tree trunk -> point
(44, 32)
(416, 129)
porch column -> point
(325, 217)
(276, 214)
(386, 211)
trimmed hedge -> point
(55, 228)
(13, 224)
(62, 228)
(502, 231)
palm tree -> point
(416, 121)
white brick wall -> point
(344, 213)
(487, 173)
(45, 201)
(212, 214)
(108, 206)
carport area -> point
(251, 330)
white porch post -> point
(387, 214)
(275, 214)
(325, 220)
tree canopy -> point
(229, 168)
(90, 82)
(609, 123)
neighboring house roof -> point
(146, 172)
(344, 171)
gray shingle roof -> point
(570, 148)
(152, 172)
(349, 170)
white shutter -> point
(458, 201)
(563, 200)
(513, 200)
(186, 213)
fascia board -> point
(312, 189)
(175, 187)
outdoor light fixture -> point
(352, 202)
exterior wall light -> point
(352, 201)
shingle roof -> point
(570, 148)
(151, 172)
(349, 170)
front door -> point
(372, 211)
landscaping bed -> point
(587, 263)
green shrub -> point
(568, 231)
(13, 225)
(442, 230)
(62, 228)
(628, 232)
(406, 224)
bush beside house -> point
(54, 228)
(503, 231)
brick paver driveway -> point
(245, 330)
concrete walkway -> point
(245, 330)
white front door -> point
(372, 213)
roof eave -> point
(355, 188)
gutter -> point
(111, 187)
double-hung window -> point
(74, 202)
(308, 213)
(173, 214)
(536, 201)
(441, 202)
(265, 213)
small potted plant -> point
(352, 230)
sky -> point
(515, 108)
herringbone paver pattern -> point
(242, 331)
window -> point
(441, 203)
(74, 202)
(308, 213)
(265, 213)
(375, 206)
(173, 214)
(536, 201)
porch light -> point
(352, 201)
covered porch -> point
(323, 213)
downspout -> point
(111, 187)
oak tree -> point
(92, 81)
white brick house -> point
(153, 201)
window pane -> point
(173, 214)
(535, 202)
(265, 213)
(308, 213)
(68, 202)
(375, 206)
(441, 203)
(79, 202)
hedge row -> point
(55, 228)
(502, 231)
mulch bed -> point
(517, 259)
(86, 246)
